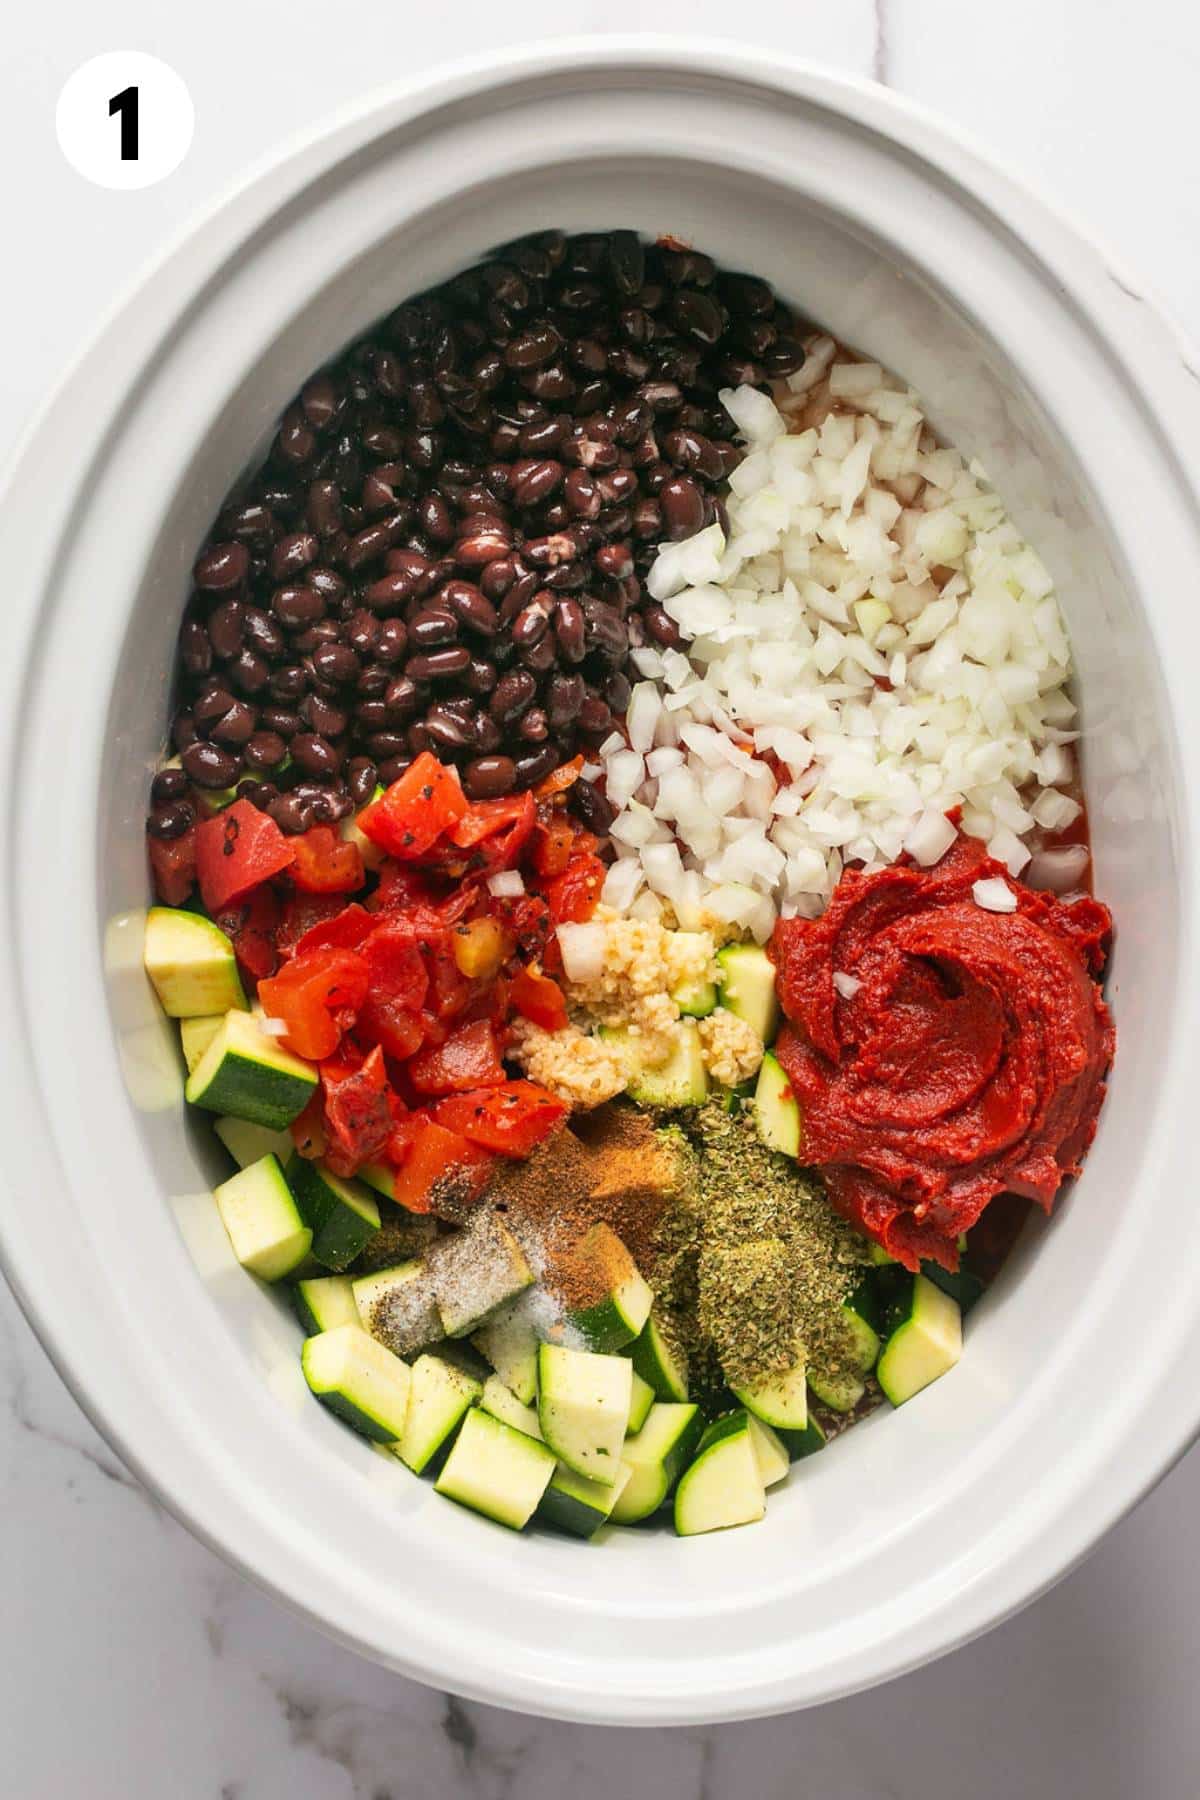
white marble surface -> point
(137, 1666)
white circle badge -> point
(125, 120)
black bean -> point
(595, 716)
(480, 677)
(210, 767)
(513, 693)
(227, 628)
(784, 357)
(626, 262)
(533, 727)
(532, 622)
(447, 731)
(361, 779)
(482, 547)
(249, 672)
(235, 728)
(279, 719)
(292, 554)
(485, 733)
(288, 682)
(362, 631)
(291, 814)
(183, 729)
(469, 604)
(615, 560)
(393, 769)
(211, 703)
(320, 402)
(431, 627)
(534, 482)
(564, 697)
(529, 770)
(263, 634)
(569, 630)
(265, 750)
(372, 715)
(168, 784)
(682, 506)
(438, 665)
(171, 820)
(254, 524)
(393, 641)
(617, 691)
(435, 519)
(313, 754)
(195, 650)
(320, 716)
(402, 697)
(336, 664)
(385, 744)
(221, 567)
(296, 607)
(591, 807)
(329, 584)
(489, 777)
(662, 627)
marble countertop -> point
(137, 1664)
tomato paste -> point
(958, 1054)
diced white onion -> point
(1058, 869)
(582, 949)
(506, 885)
(994, 895)
(846, 985)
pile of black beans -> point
(444, 547)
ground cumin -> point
(613, 1169)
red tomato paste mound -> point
(961, 1053)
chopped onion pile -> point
(874, 645)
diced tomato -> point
(572, 896)
(414, 812)
(526, 919)
(251, 926)
(343, 930)
(326, 863)
(358, 1113)
(427, 1154)
(553, 842)
(560, 779)
(510, 1119)
(497, 829)
(317, 997)
(395, 1028)
(237, 850)
(468, 1058)
(173, 865)
(301, 912)
(449, 989)
(308, 1129)
(395, 967)
(538, 999)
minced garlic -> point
(732, 1049)
(644, 964)
(584, 1071)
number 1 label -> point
(125, 120)
(126, 103)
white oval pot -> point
(925, 1527)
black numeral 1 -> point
(126, 103)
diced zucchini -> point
(776, 1110)
(840, 1393)
(191, 963)
(925, 1346)
(680, 1081)
(656, 1363)
(799, 1444)
(746, 987)
(382, 1178)
(880, 1257)
(257, 1209)
(324, 1302)
(496, 1471)
(248, 1074)
(780, 1401)
(724, 1485)
(475, 1271)
(439, 1395)
(640, 1403)
(583, 1408)
(503, 1404)
(195, 1035)
(343, 1215)
(961, 1285)
(509, 1342)
(656, 1457)
(861, 1315)
(605, 1264)
(773, 1459)
(573, 1504)
(359, 1380)
(246, 1143)
(398, 1306)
